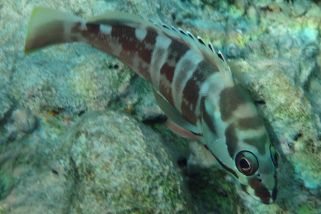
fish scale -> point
(192, 84)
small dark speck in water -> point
(55, 172)
(81, 112)
(297, 136)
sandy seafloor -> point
(81, 133)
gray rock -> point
(24, 121)
(233, 51)
(104, 163)
(5, 105)
(129, 172)
(299, 8)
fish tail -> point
(49, 27)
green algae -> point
(6, 184)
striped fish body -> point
(174, 65)
(192, 85)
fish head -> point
(257, 173)
(240, 143)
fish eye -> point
(246, 162)
(274, 155)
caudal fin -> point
(49, 27)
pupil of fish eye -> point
(244, 164)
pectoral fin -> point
(175, 116)
(181, 131)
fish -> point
(192, 83)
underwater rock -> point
(140, 102)
(300, 7)
(68, 82)
(24, 121)
(233, 51)
(5, 105)
(96, 168)
(117, 172)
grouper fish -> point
(192, 83)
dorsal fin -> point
(216, 57)
(197, 39)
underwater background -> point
(81, 133)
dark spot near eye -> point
(297, 136)
(182, 162)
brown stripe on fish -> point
(175, 51)
(206, 117)
(231, 140)
(260, 191)
(257, 142)
(124, 41)
(126, 36)
(230, 99)
(136, 54)
(250, 123)
(191, 92)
